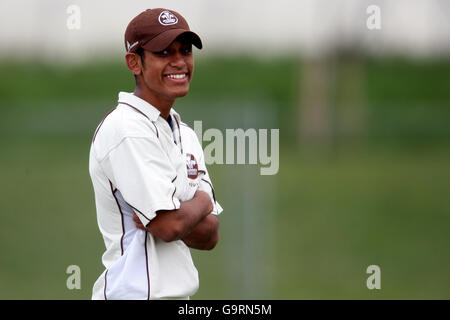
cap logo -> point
(167, 18)
(130, 46)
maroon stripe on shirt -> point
(120, 102)
(98, 128)
(139, 211)
(157, 134)
(104, 289)
(146, 266)
(212, 189)
(179, 134)
(121, 217)
(174, 206)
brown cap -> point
(156, 29)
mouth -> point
(177, 77)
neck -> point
(163, 104)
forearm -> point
(188, 217)
(205, 235)
(173, 225)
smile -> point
(177, 76)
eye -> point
(162, 53)
(187, 50)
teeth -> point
(177, 76)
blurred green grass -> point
(383, 201)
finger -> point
(140, 226)
(138, 222)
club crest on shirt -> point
(192, 166)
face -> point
(166, 75)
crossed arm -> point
(192, 223)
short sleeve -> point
(206, 185)
(142, 172)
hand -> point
(205, 200)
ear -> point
(134, 63)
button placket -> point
(172, 150)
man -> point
(154, 197)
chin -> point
(180, 93)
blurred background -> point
(360, 91)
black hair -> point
(141, 53)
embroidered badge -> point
(192, 166)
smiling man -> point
(153, 194)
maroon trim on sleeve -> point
(175, 190)
(212, 189)
(138, 211)
(174, 206)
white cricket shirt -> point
(139, 164)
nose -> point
(178, 61)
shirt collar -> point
(143, 106)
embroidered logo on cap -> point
(192, 166)
(130, 46)
(167, 18)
